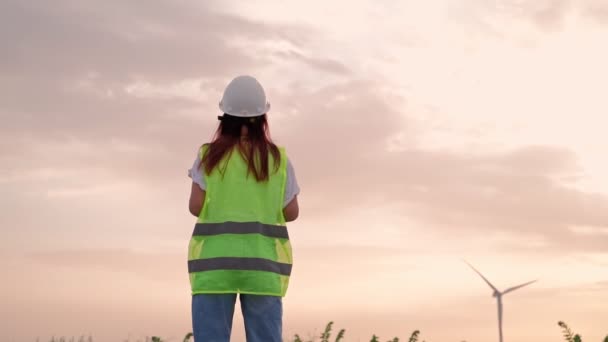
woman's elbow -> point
(291, 211)
(195, 209)
(290, 217)
(197, 200)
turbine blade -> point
(518, 286)
(482, 277)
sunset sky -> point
(421, 132)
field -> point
(326, 336)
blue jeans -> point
(212, 317)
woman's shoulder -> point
(281, 147)
(200, 151)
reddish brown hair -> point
(254, 148)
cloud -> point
(84, 81)
(515, 19)
(339, 145)
(71, 106)
(72, 61)
(602, 284)
(598, 10)
(327, 65)
(151, 265)
(122, 39)
(346, 163)
(548, 15)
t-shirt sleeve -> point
(196, 173)
(291, 187)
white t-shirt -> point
(291, 187)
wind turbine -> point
(498, 295)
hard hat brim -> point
(244, 113)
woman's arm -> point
(197, 199)
(292, 210)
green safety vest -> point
(240, 242)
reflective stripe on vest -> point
(240, 243)
(202, 229)
(244, 264)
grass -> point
(569, 336)
(326, 336)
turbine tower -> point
(498, 295)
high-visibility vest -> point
(240, 242)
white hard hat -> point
(244, 97)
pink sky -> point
(421, 133)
